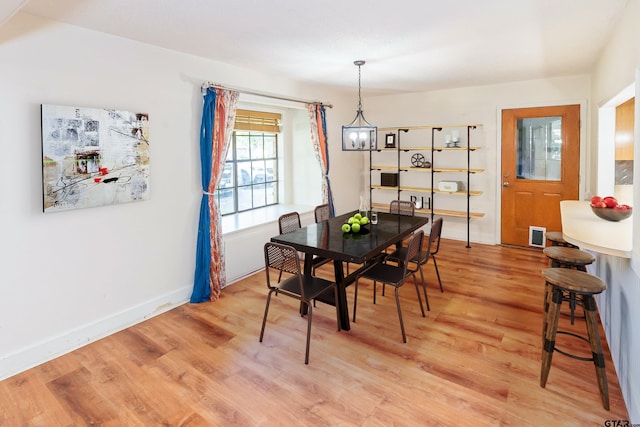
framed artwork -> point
(390, 140)
(93, 157)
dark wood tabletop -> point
(326, 239)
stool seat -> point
(574, 280)
(557, 239)
(564, 255)
(584, 286)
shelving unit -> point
(407, 185)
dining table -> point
(326, 239)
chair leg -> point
(415, 282)
(266, 310)
(310, 315)
(404, 336)
(375, 290)
(355, 299)
(424, 287)
(435, 264)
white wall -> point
(69, 278)
(616, 69)
(477, 105)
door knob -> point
(505, 184)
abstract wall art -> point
(93, 157)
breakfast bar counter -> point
(582, 227)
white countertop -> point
(582, 227)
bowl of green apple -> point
(356, 224)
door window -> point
(539, 148)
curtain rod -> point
(266, 95)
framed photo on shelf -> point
(390, 140)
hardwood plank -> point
(473, 360)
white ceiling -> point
(409, 45)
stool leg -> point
(550, 334)
(545, 312)
(572, 306)
(591, 316)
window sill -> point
(257, 217)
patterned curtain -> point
(317, 117)
(218, 118)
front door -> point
(540, 167)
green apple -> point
(355, 227)
(357, 216)
(352, 220)
(346, 228)
(364, 220)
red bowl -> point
(612, 214)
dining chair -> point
(287, 223)
(394, 275)
(423, 257)
(402, 207)
(301, 287)
(321, 213)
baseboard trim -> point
(46, 350)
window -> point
(250, 176)
(539, 148)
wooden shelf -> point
(457, 170)
(415, 148)
(384, 187)
(437, 148)
(457, 214)
(459, 193)
(441, 212)
(435, 190)
(415, 169)
(430, 127)
(384, 168)
(417, 189)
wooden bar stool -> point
(556, 239)
(566, 257)
(585, 285)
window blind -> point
(257, 121)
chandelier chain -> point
(359, 87)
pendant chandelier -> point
(359, 135)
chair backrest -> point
(434, 237)
(402, 207)
(322, 212)
(289, 222)
(282, 258)
(414, 246)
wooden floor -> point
(474, 360)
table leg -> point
(341, 304)
(308, 264)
